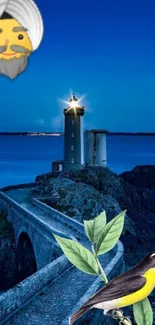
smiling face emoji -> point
(15, 46)
(21, 32)
(14, 40)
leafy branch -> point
(103, 237)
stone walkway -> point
(56, 302)
(53, 224)
(23, 196)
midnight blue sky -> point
(102, 48)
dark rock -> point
(8, 265)
(142, 176)
(80, 200)
(85, 193)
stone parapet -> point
(113, 269)
(17, 297)
(74, 224)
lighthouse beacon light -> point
(73, 103)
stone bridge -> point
(34, 224)
(33, 229)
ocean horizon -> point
(22, 158)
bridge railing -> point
(114, 268)
(72, 223)
(16, 298)
(25, 215)
(21, 294)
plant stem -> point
(99, 265)
(104, 278)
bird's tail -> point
(78, 314)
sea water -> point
(22, 158)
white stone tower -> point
(95, 148)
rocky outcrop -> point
(8, 267)
(84, 194)
(142, 176)
(80, 201)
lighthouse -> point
(80, 149)
(73, 136)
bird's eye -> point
(20, 36)
(153, 255)
(1, 30)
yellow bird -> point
(124, 290)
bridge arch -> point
(25, 255)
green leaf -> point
(93, 228)
(142, 311)
(78, 255)
(89, 229)
(110, 234)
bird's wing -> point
(115, 290)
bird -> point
(126, 289)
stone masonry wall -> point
(114, 268)
(18, 296)
(74, 224)
(15, 298)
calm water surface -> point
(22, 158)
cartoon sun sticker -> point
(21, 32)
